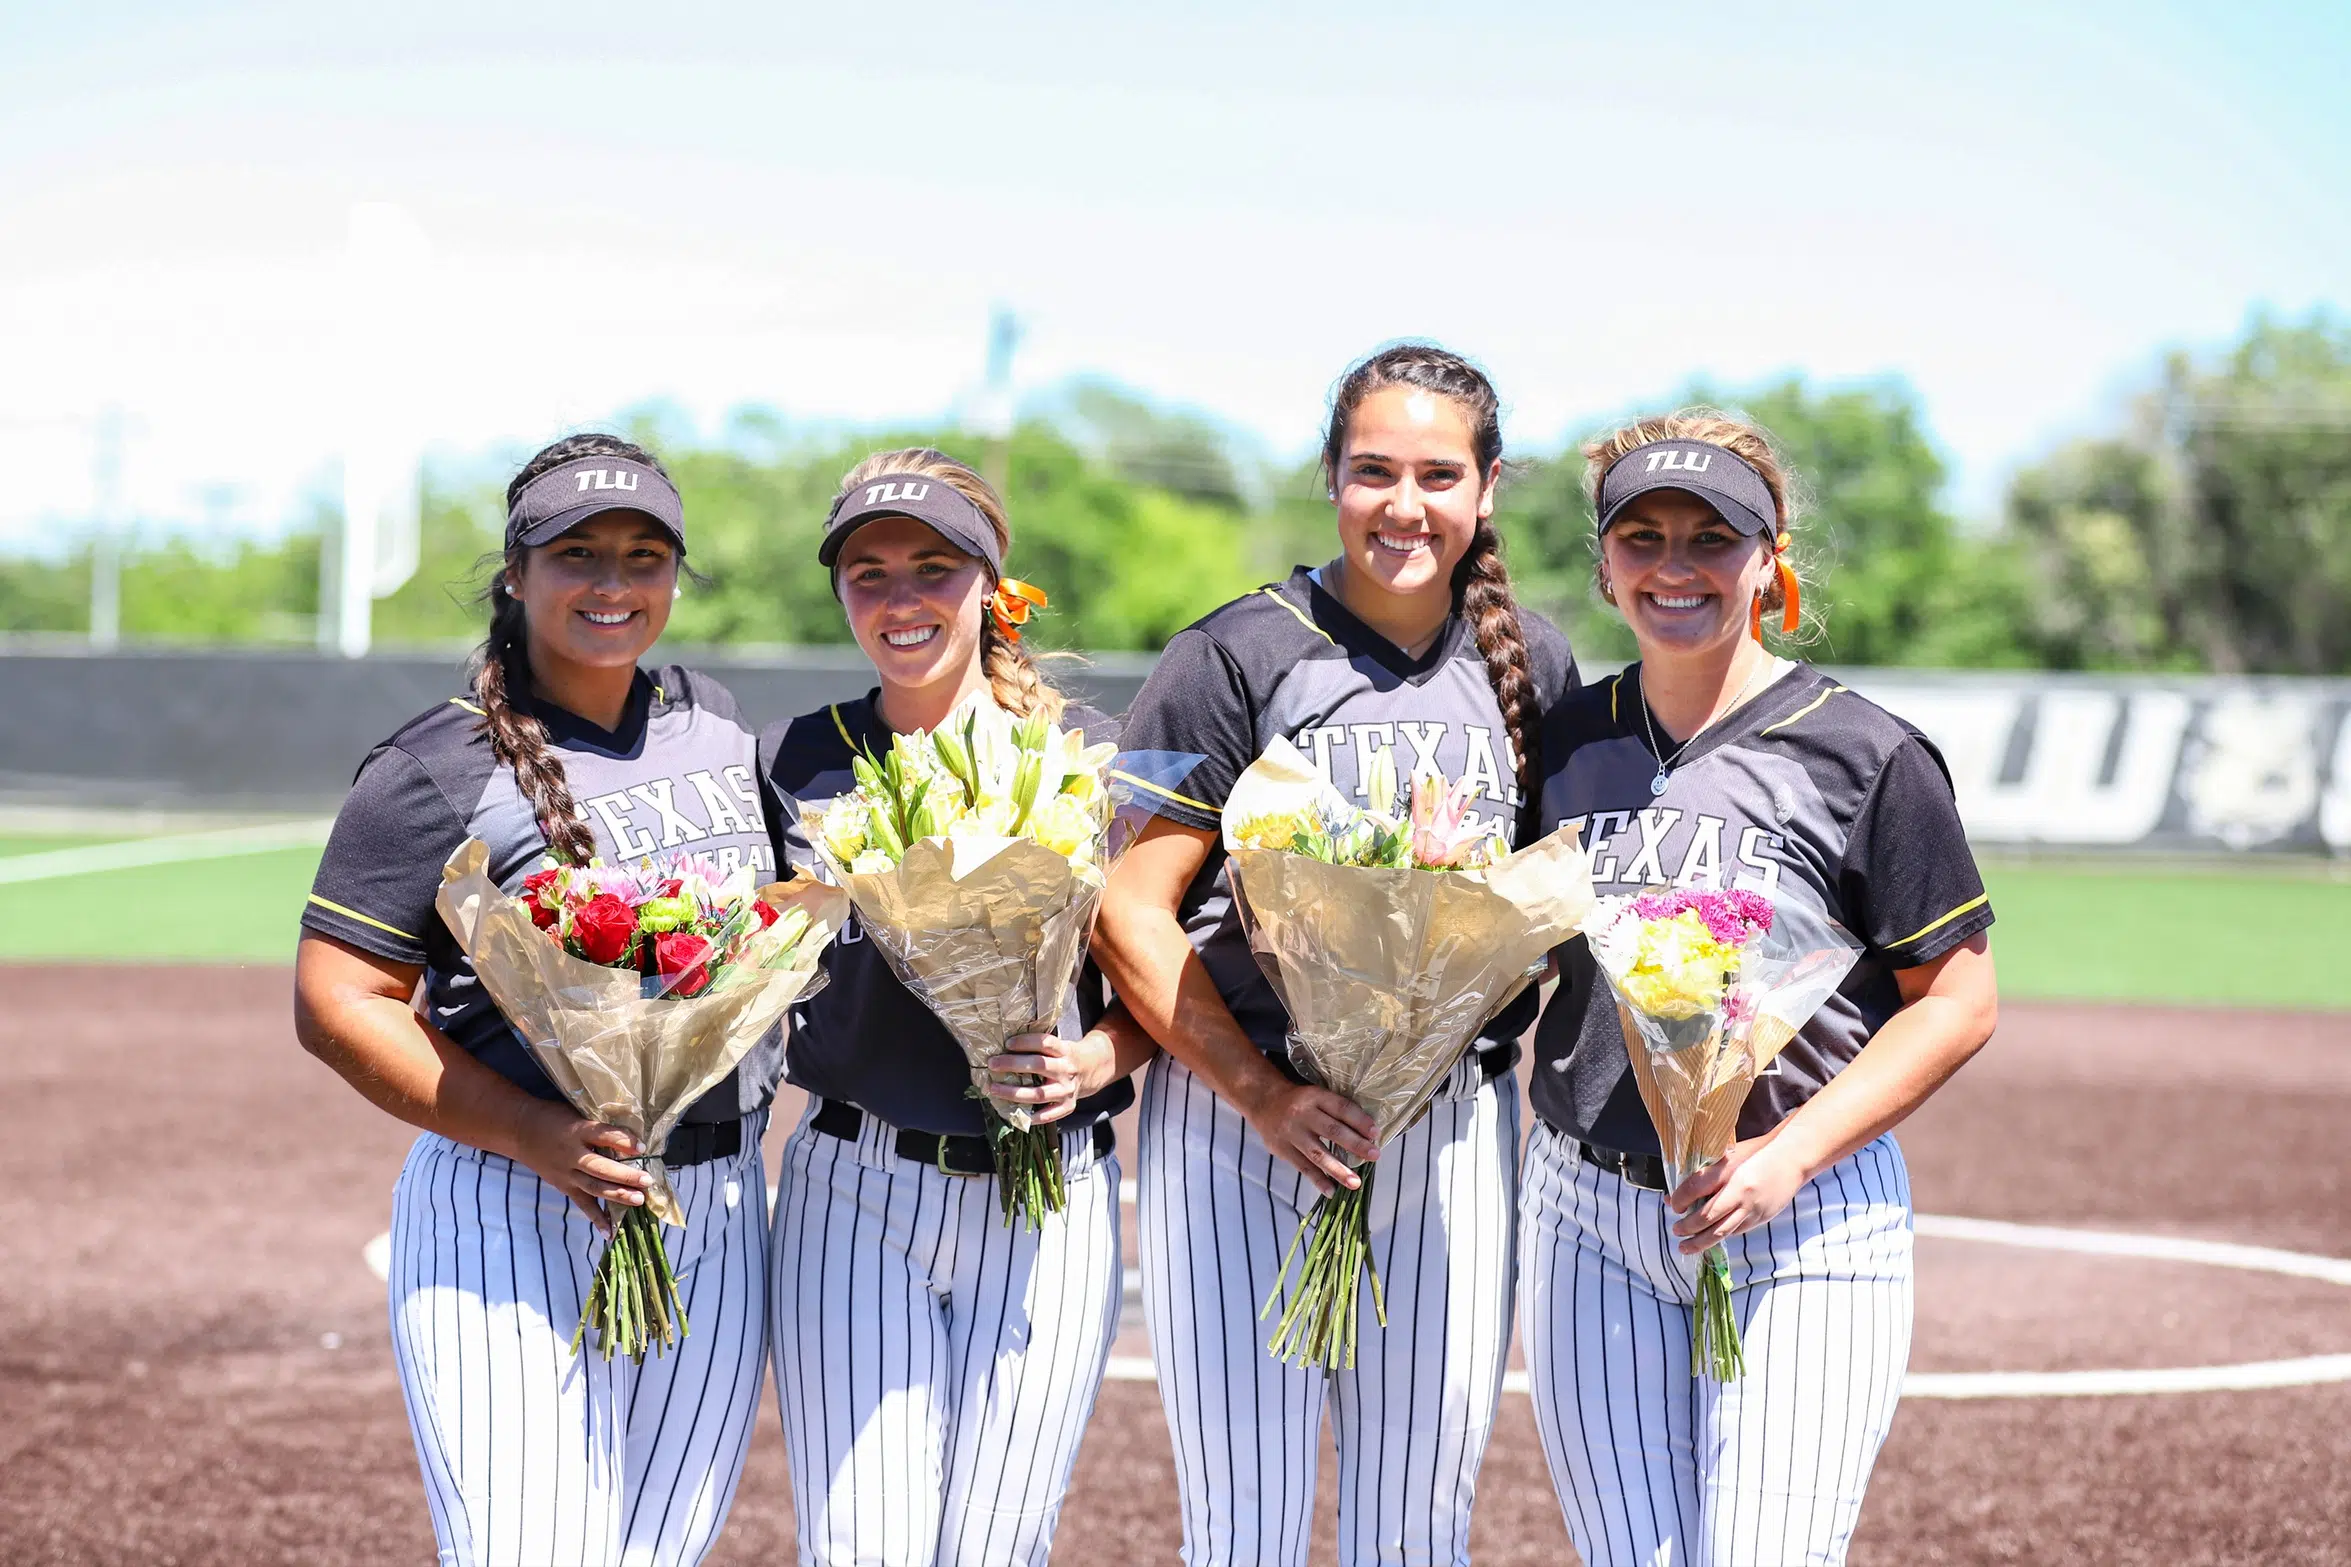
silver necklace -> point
(1657, 784)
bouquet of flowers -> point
(638, 990)
(1391, 939)
(976, 855)
(1709, 987)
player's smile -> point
(1409, 492)
(598, 595)
(913, 600)
(1681, 576)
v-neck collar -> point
(565, 725)
(1768, 706)
(1349, 630)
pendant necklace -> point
(1657, 784)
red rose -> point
(683, 957)
(766, 911)
(538, 882)
(541, 915)
(603, 928)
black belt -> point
(1635, 1169)
(702, 1142)
(1495, 1057)
(949, 1155)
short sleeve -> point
(1910, 882)
(1550, 660)
(1194, 705)
(793, 851)
(702, 690)
(381, 873)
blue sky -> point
(2013, 208)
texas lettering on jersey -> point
(685, 812)
(1662, 846)
(1343, 753)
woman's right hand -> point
(1303, 1124)
(581, 1159)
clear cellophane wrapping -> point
(1387, 974)
(620, 1050)
(990, 933)
(1694, 1072)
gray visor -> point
(1715, 474)
(563, 498)
(935, 503)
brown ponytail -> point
(502, 669)
(1481, 584)
(1015, 682)
(520, 740)
(1482, 588)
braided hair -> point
(502, 668)
(1481, 582)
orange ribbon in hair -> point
(1009, 606)
(1791, 594)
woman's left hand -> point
(1746, 1187)
(1047, 1075)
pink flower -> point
(1442, 834)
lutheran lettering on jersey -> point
(670, 813)
(1652, 848)
(1477, 754)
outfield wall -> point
(2172, 764)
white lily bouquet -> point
(975, 855)
(1391, 940)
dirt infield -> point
(194, 1366)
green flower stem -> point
(1714, 1324)
(1030, 1181)
(1318, 1325)
(633, 1303)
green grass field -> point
(2088, 931)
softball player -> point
(531, 1454)
(935, 1365)
(1712, 764)
(1409, 642)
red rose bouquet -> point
(638, 989)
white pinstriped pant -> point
(1216, 1212)
(533, 1456)
(935, 1366)
(1660, 1469)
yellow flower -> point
(843, 830)
(1062, 824)
(1277, 831)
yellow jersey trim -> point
(455, 701)
(835, 710)
(1969, 907)
(1614, 681)
(1806, 710)
(1169, 794)
(1304, 619)
(333, 907)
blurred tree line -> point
(2213, 531)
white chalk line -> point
(135, 853)
(2244, 1376)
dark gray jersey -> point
(1820, 800)
(677, 774)
(1291, 661)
